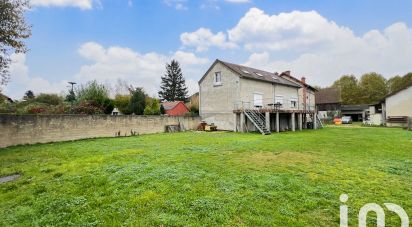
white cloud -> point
(142, 70)
(202, 39)
(238, 1)
(295, 30)
(82, 4)
(310, 45)
(21, 80)
(386, 52)
(177, 4)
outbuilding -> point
(176, 108)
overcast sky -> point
(107, 40)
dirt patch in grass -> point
(264, 159)
(6, 179)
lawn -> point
(208, 179)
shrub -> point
(88, 107)
(108, 106)
(153, 107)
(193, 104)
(94, 92)
(122, 102)
(138, 101)
(51, 99)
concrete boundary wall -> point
(31, 129)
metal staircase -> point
(258, 119)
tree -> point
(349, 89)
(395, 84)
(122, 102)
(93, 91)
(173, 87)
(71, 97)
(138, 101)
(13, 30)
(373, 88)
(29, 95)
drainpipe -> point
(303, 81)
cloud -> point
(310, 45)
(177, 4)
(386, 52)
(21, 80)
(202, 39)
(295, 30)
(142, 70)
(238, 1)
(82, 4)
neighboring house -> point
(240, 98)
(375, 115)
(328, 102)
(358, 112)
(116, 112)
(397, 108)
(177, 108)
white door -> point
(258, 100)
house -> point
(328, 102)
(177, 108)
(240, 98)
(397, 108)
(358, 112)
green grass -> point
(198, 179)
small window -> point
(218, 78)
(279, 99)
(293, 103)
(257, 99)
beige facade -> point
(218, 100)
(400, 104)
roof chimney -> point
(303, 80)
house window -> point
(218, 79)
(279, 99)
(257, 99)
(293, 103)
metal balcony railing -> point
(284, 104)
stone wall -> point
(30, 129)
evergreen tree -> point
(29, 95)
(173, 86)
(138, 101)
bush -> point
(93, 92)
(108, 106)
(153, 108)
(193, 104)
(122, 102)
(88, 107)
(138, 101)
(51, 99)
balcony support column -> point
(267, 120)
(293, 122)
(277, 122)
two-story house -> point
(241, 98)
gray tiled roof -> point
(257, 74)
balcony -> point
(272, 106)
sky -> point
(132, 40)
